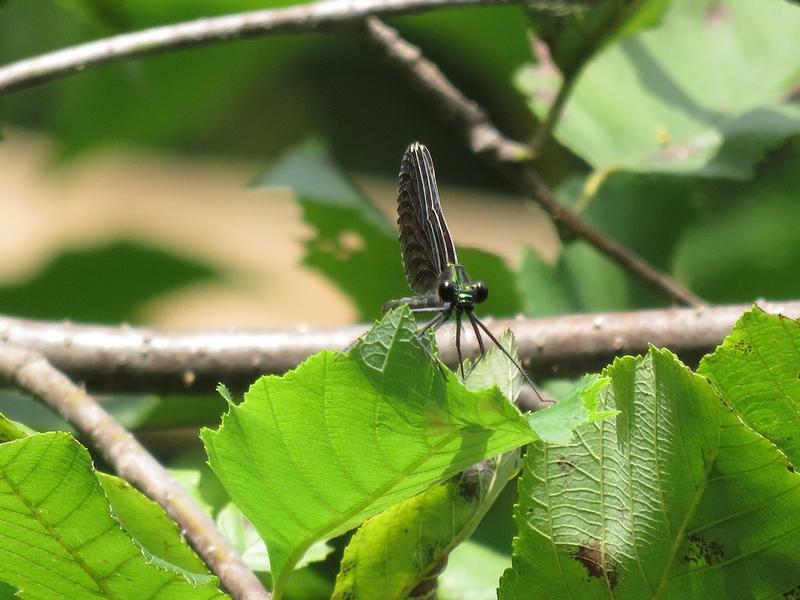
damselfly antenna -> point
(429, 257)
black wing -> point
(425, 244)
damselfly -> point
(429, 257)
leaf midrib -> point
(38, 517)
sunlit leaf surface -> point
(673, 498)
(757, 370)
(341, 438)
(683, 98)
(60, 538)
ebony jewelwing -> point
(429, 258)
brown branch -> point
(127, 358)
(509, 157)
(301, 18)
(33, 374)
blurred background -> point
(115, 182)
(253, 183)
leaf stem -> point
(546, 128)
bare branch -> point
(128, 358)
(304, 17)
(508, 156)
(529, 181)
(32, 373)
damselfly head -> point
(461, 293)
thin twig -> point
(529, 181)
(507, 155)
(127, 358)
(304, 17)
(553, 115)
(32, 373)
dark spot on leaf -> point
(594, 559)
(430, 552)
(743, 347)
(437, 568)
(426, 588)
(703, 552)
(348, 595)
(346, 566)
(790, 468)
(792, 594)
(469, 489)
(564, 465)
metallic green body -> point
(464, 288)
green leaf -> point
(757, 370)
(151, 528)
(356, 246)
(421, 533)
(646, 213)
(472, 572)
(424, 530)
(583, 280)
(249, 545)
(7, 592)
(177, 97)
(342, 438)
(494, 369)
(581, 405)
(683, 99)
(9, 430)
(192, 481)
(545, 287)
(576, 31)
(86, 281)
(753, 223)
(153, 412)
(223, 391)
(60, 538)
(675, 498)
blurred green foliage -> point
(106, 284)
(685, 80)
